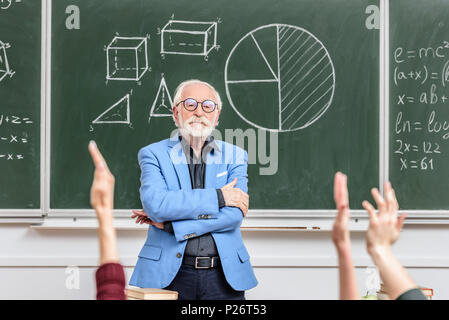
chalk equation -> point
(419, 164)
(432, 125)
(14, 120)
(420, 102)
(439, 51)
(430, 97)
(422, 75)
(14, 137)
(11, 156)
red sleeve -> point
(111, 282)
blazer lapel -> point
(213, 161)
(179, 162)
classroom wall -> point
(288, 264)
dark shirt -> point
(202, 246)
(111, 282)
(413, 294)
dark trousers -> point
(203, 284)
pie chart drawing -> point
(280, 78)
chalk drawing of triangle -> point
(163, 103)
(118, 113)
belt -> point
(202, 262)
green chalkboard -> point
(419, 105)
(306, 69)
(20, 104)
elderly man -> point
(194, 195)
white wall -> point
(288, 264)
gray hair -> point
(180, 89)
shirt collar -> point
(209, 144)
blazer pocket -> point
(222, 174)
(243, 254)
(150, 252)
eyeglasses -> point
(190, 104)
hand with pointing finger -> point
(340, 230)
(102, 190)
(102, 200)
(235, 197)
(342, 240)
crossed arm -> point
(163, 205)
(192, 212)
(229, 218)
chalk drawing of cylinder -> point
(189, 38)
(127, 58)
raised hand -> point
(102, 200)
(102, 190)
(340, 230)
(385, 226)
(342, 241)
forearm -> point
(228, 219)
(108, 241)
(168, 225)
(347, 277)
(162, 206)
(393, 275)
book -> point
(135, 293)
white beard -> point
(192, 127)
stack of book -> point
(427, 292)
(135, 293)
(382, 294)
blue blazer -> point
(166, 194)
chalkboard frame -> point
(278, 218)
(424, 216)
(24, 215)
(255, 217)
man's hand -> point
(235, 197)
(143, 218)
(340, 231)
(385, 226)
(102, 190)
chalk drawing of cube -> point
(188, 37)
(127, 58)
(4, 65)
